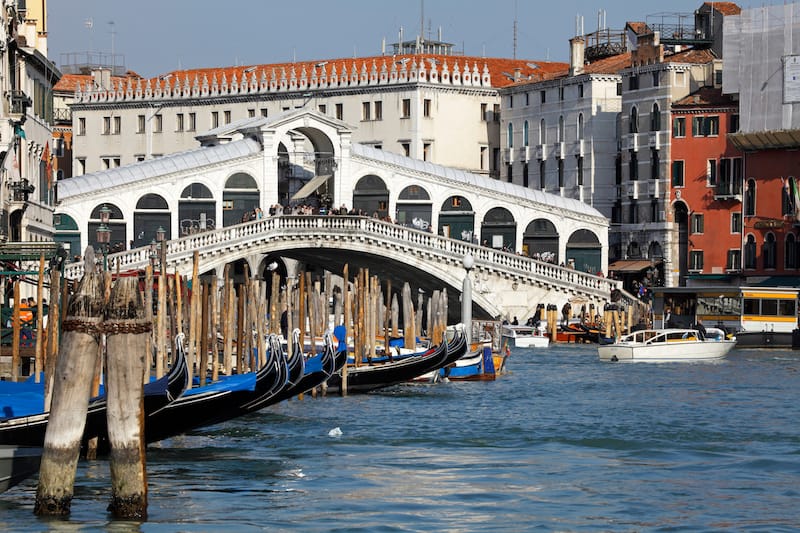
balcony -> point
(561, 150)
(541, 152)
(656, 139)
(508, 156)
(630, 142)
(632, 189)
(657, 188)
(579, 148)
(728, 190)
(20, 102)
(525, 154)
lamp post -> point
(153, 253)
(161, 235)
(466, 298)
(103, 233)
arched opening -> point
(116, 224)
(240, 198)
(750, 252)
(499, 230)
(414, 207)
(15, 225)
(770, 251)
(584, 252)
(308, 168)
(540, 241)
(681, 218)
(67, 233)
(457, 219)
(196, 209)
(371, 197)
(152, 212)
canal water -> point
(561, 442)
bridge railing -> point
(179, 251)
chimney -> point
(101, 78)
(577, 47)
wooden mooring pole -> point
(71, 389)
(127, 331)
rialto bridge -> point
(199, 198)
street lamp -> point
(466, 298)
(103, 235)
(153, 253)
(161, 233)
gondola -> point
(366, 378)
(29, 430)
(225, 399)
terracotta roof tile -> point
(698, 56)
(69, 82)
(706, 96)
(609, 65)
(726, 8)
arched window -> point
(790, 252)
(789, 197)
(560, 129)
(655, 118)
(750, 252)
(634, 125)
(580, 126)
(510, 135)
(770, 251)
(750, 198)
(525, 134)
(542, 132)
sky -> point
(158, 36)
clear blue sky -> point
(157, 36)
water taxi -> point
(665, 345)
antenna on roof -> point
(515, 30)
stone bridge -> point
(504, 284)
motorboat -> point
(525, 336)
(17, 463)
(663, 345)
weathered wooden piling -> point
(127, 332)
(53, 329)
(71, 389)
(40, 345)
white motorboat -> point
(663, 345)
(525, 336)
(17, 463)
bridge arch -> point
(541, 241)
(197, 209)
(584, 251)
(457, 219)
(414, 207)
(240, 197)
(371, 195)
(499, 229)
(151, 212)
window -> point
(654, 210)
(542, 169)
(426, 107)
(406, 109)
(787, 198)
(365, 110)
(484, 153)
(525, 134)
(697, 223)
(696, 260)
(733, 123)
(561, 129)
(736, 222)
(542, 132)
(340, 111)
(525, 174)
(790, 252)
(527, 99)
(633, 166)
(619, 89)
(655, 118)
(378, 107)
(633, 213)
(711, 173)
(509, 172)
(251, 113)
(543, 97)
(749, 206)
(484, 110)
(140, 123)
(580, 90)
(323, 108)
(770, 251)
(157, 124)
(179, 122)
(139, 158)
(705, 126)
(106, 125)
(227, 117)
(750, 252)
(426, 151)
(406, 149)
(117, 125)
(734, 261)
(510, 135)
(677, 173)
(214, 119)
(580, 169)
(560, 172)
(496, 113)
(633, 127)
(264, 112)
(679, 127)
(561, 93)
(655, 164)
(656, 79)
(511, 101)
(192, 121)
(580, 125)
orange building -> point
(706, 180)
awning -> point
(309, 188)
(629, 265)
